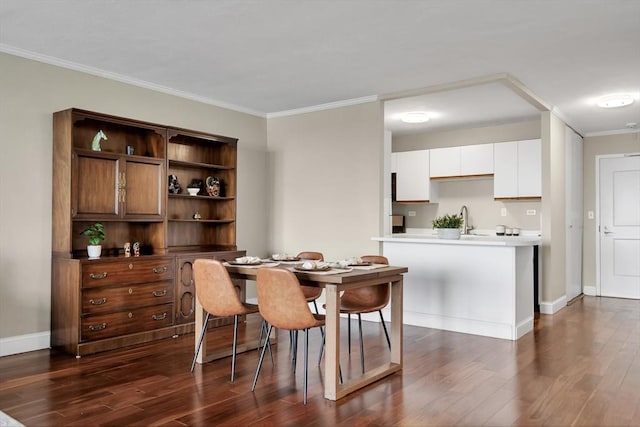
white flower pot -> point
(449, 233)
(94, 251)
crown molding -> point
(124, 79)
(320, 107)
(613, 132)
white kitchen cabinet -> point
(476, 159)
(517, 169)
(444, 162)
(412, 177)
(505, 170)
(466, 160)
(394, 162)
(530, 168)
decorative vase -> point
(449, 233)
(94, 251)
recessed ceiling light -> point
(415, 117)
(615, 100)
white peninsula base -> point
(475, 286)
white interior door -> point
(574, 209)
(619, 228)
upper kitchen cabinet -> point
(464, 161)
(412, 177)
(518, 170)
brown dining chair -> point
(311, 293)
(367, 299)
(218, 296)
(283, 305)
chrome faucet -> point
(464, 213)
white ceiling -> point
(275, 57)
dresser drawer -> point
(100, 326)
(109, 299)
(126, 271)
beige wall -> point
(326, 181)
(476, 194)
(554, 207)
(29, 93)
(597, 146)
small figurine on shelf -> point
(136, 248)
(213, 186)
(174, 185)
(127, 249)
(197, 215)
(95, 144)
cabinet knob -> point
(160, 270)
(97, 301)
(98, 276)
(130, 315)
(159, 293)
(160, 316)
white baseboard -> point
(24, 343)
(589, 290)
(468, 326)
(554, 306)
(524, 327)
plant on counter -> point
(447, 221)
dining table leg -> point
(332, 342)
(396, 322)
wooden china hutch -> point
(116, 301)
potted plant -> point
(95, 234)
(194, 188)
(448, 226)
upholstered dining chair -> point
(218, 296)
(311, 293)
(366, 300)
(283, 305)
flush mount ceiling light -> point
(415, 117)
(615, 100)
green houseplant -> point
(95, 235)
(448, 226)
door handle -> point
(607, 231)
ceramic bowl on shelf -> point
(193, 191)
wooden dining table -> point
(333, 285)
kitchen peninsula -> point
(481, 285)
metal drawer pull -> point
(159, 317)
(98, 275)
(160, 270)
(97, 301)
(159, 293)
(93, 328)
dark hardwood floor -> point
(579, 367)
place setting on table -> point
(297, 264)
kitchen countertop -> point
(482, 238)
